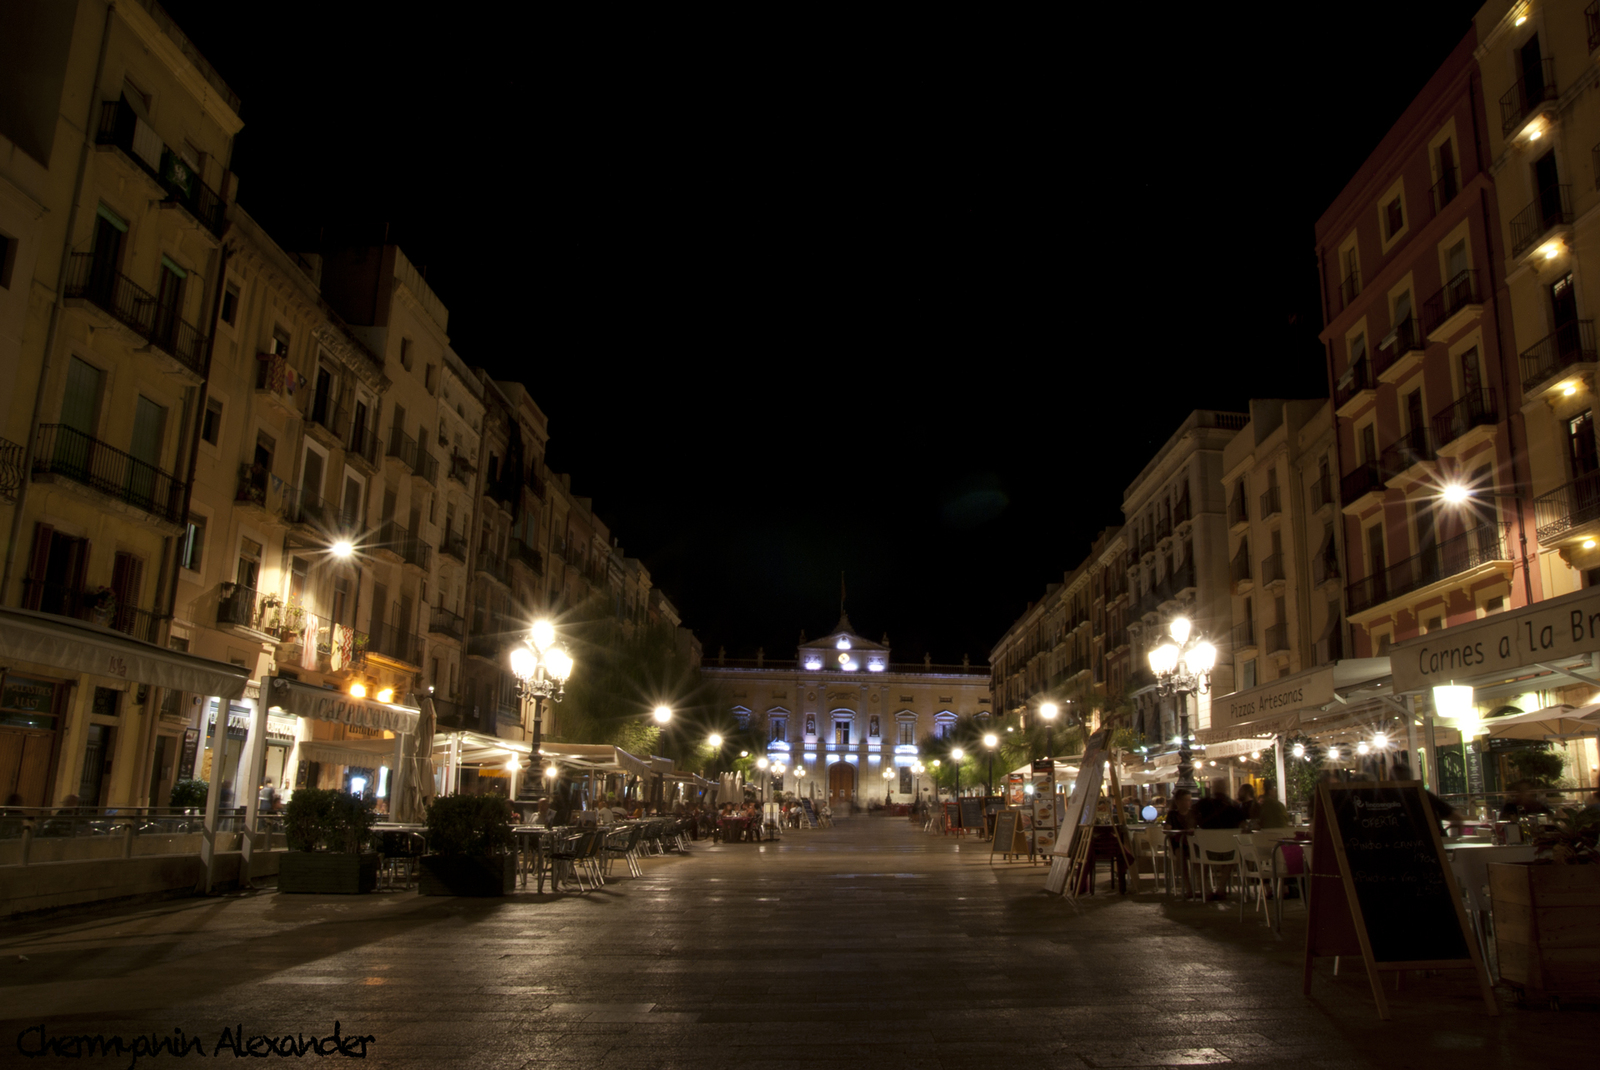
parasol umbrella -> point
(419, 755)
(1552, 722)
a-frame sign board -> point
(1085, 791)
(1381, 887)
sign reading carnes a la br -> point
(1549, 631)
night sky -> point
(911, 300)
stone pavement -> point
(870, 944)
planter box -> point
(467, 875)
(1547, 927)
(327, 872)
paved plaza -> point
(870, 944)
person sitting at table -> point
(1523, 802)
(1218, 811)
(1442, 811)
(1271, 813)
(1248, 802)
(544, 815)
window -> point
(211, 422)
(1369, 442)
(194, 542)
(430, 379)
(341, 599)
(230, 305)
(405, 353)
(780, 730)
(8, 256)
(1248, 672)
(908, 733)
(1394, 218)
(841, 732)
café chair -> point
(1213, 849)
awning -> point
(1553, 722)
(77, 646)
(340, 707)
(1276, 707)
(357, 752)
(480, 749)
(598, 756)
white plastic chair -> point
(1151, 846)
(1213, 849)
(1253, 866)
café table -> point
(1280, 866)
(1470, 864)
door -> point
(1447, 176)
(841, 786)
(169, 303)
(106, 258)
(1532, 62)
(1377, 568)
(1548, 183)
(1472, 383)
(1585, 461)
(1458, 280)
(80, 419)
(311, 476)
(149, 423)
(1427, 532)
(1564, 317)
(127, 581)
(97, 755)
(1416, 426)
(322, 397)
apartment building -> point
(1178, 565)
(1538, 68)
(1424, 388)
(461, 417)
(113, 206)
(1284, 542)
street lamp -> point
(541, 666)
(1183, 668)
(991, 741)
(888, 790)
(956, 754)
(1048, 712)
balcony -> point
(303, 508)
(1244, 636)
(443, 622)
(1181, 513)
(276, 380)
(1271, 502)
(362, 443)
(493, 565)
(1366, 479)
(236, 607)
(1452, 423)
(1350, 288)
(121, 128)
(1276, 639)
(1401, 353)
(454, 546)
(1322, 493)
(1444, 191)
(403, 448)
(1325, 566)
(1272, 570)
(1449, 558)
(461, 469)
(1570, 348)
(1551, 209)
(399, 541)
(1238, 511)
(97, 606)
(535, 484)
(63, 452)
(1147, 603)
(1354, 388)
(98, 282)
(1147, 544)
(1163, 528)
(1591, 22)
(526, 556)
(454, 714)
(1183, 578)
(1331, 649)
(425, 466)
(1405, 455)
(1239, 569)
(1448, 310)
(323, 422)
(1566, 509)
(1536, 86)
(395, 645)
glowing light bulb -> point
(358, 690)
(386, 695)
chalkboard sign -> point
(810, 810)
(1006, 835)
(952, 816)
(1381, 886)
(972, 814)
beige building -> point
(1284, 542)
(843, 713)
(113, 190)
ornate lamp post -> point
(1048, 713)
(956, 754)
(1181, 669)
(541, 666)
(991, 741)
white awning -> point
(357, 752)
(77, 646)
(600, 757)
(480, 749)
(340, 707)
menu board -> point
(810, 811)
(1007, 834)
(972, 814)
(1381, 886)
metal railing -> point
(121, 127)
(395, 644)
(492, 564)
(236, 605)
(67, 452)
(1357, 379)
(1325, 566)
(426, 465)
(527, 556)
(535, 484)
(1272, 569)
(1455, 295)
(1239, 567)
(1163, 528)
(98, 606)
(1366, 477)
(1591, 22)
(363, 440)
(97, 280)
(1183, 577)
(461, 469)
(323, 414)
(1445, 559)
(454, 546)
(1531, 88)
(1413, 447)
(10, 470)
(1271, 502)
(1276, 639)
(1407, 337)
(1147, 543)
(1331, 649)
(1478, 409)
(1569, 344)
(399, 541)
(1238, 511)
(1322, 491)
(1551, 208)
(1243, 635)
(1444, 191)
(403, 448)
(1181, 513)
(443, 622)
(1559, 511)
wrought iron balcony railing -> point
(97, 280)
(1478, 409)
(95, 606)
(1276, 639)
(443, 622)
(1322, 491)
(1565, 508)
(1357, 379)
(454, 546)
(1444, 191)
(403, 544)
(69, 453)
(10, 470)
(1325, 566)
(1272, 569)
(1455, 295)
(121, 127)
(1271, 502)
(395, 644)
(1413, 447)
(1535, 86)
(492, 564)
(1407, 337)
(1450, 557)
(1569, 344)
(1550, 209)
(1366, 477)
(527, 556)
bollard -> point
(127, 840)
(27, 840)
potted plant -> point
(469, 845)
(327, 830)
(1547, 912)
(102, 602)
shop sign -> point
(191, 748)
(1272, 700)
(340, 707)
(1504, 643)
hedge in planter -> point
(1547, 912)
(327, 830)
(469, 840)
